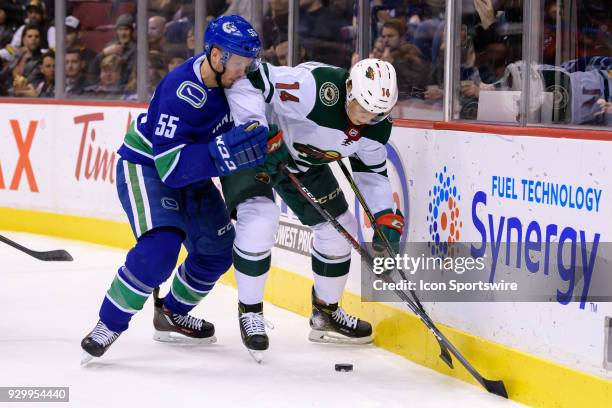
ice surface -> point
(47, 307)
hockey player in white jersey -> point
(324, 113)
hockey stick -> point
(55, 255)
(444, 354)
(493, 386)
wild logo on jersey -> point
(329, 94)
(316, 156)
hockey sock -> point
(194, 279)
(251, 271)
(147, 265)
(330, 275)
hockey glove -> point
(239, 148)
(391, 224)
(277, 153)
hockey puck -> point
(344, 367)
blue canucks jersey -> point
(183, 118)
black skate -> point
(97, 342)
(253, 329)
(175, 328)
(331, 324)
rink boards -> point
(57, 177)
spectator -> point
(156, 31)
(109, 85)
(156, 70)
(13, 15)
(9, 21)
(281, 51)
(175, 57)
(412, 71)
(378, 49)
(180, 23)
(498, 38)
(318, 30)
(75, 77)
(123, 47)
(190, 41)
(393, 34)
(164, 8)
(43, 83)
(243, 8)
(429, 29)
(469, 77)
(74, 40)
(26, 59)
(35, 14)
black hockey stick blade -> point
(55, 255)
(444, 353)
(495, 387)
(445, 356)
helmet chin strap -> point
(217, 73)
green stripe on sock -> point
(330, 270)
(140, 216)
(251, 268)
(125, 297)
(184, 293)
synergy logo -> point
(400, 197)
(443, 216)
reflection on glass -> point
(274, 32)
(325, 32)
(490, 71)
(574, 63)
(409, 35)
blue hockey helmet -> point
(232, 35)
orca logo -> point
(192, 93)
(169, 203)
(230, 28)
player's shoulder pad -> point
(330, 91)
(380, 132)
(324, 74)
(179, 86)
(260, 78)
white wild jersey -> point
(307, 103)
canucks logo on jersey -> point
(192, 93)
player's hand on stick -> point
(391, 224)
(239, 148)
(277, 153)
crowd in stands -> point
(100, 59)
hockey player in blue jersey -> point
(164, 183)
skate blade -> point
(323, 336)
(86, 358)
(257, 355)
(174, 337)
